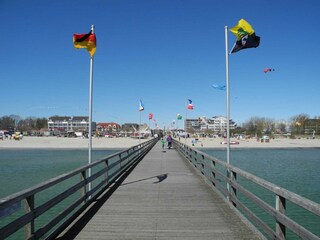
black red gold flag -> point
(87, 41)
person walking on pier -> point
(162, 142)
(169, 140)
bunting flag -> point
(141, 106)
(87, 41)
(150, 116)
(246, 37)
(179, 117)
(190, 105)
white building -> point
(217, 124)
(66, 123)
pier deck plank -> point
(180, 206)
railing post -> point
(128, 158)
(203, 166)
(213, 174)
(233, 192)
(281, 207)
(106, 175)
(120, 161)
(29, 207)
(195, 159)
(83, 178)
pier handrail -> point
(215, 171)
(74, 193)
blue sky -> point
(162, 51)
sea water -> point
(295, 169)
(23, 168)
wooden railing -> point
(216, 172)
(51, 206)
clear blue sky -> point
(162, 51)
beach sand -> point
(253, 143)
(69, 143)
(115, 143)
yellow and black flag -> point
(87, 41)
(246, 37)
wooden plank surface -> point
(163, 198)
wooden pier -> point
(162, 198)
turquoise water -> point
(294, 169)
(21, 169)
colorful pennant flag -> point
(141, 106)
(190, 105)
(87, 41)
(246, 37)
(150, 116)
(179, 117)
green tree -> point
(7, 123)
(41, 123)
(297, 123)
(258, 126)
(282, 127)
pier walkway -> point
(162, 198)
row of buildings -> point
(80, 124)
(217, 124)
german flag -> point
(87, 41)
(246, 37)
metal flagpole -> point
(227, 103)
(90, 109)
(177, 124)
(140, 129)
(185, 123)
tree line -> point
(300, 124)
(16, 123)
(256, 126)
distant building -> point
(67, 123)
(111, 127)
(218, 124)
(312, 126)
(130, 127)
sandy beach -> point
(71, 143)
(253, 143)
(107, 143)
